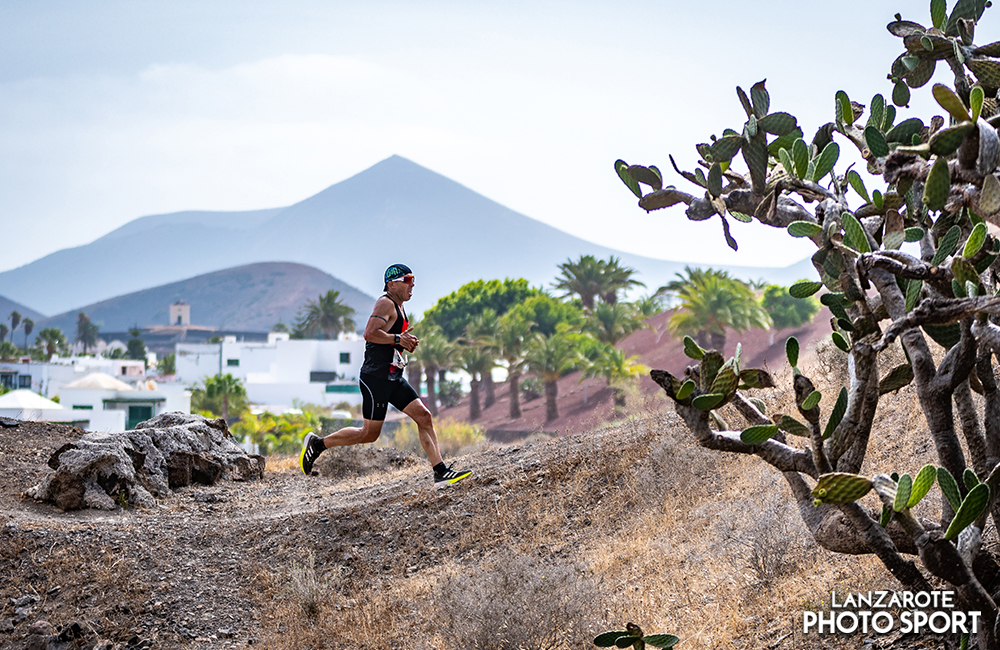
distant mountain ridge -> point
(395, 211)
(246, 298)
(8, 306)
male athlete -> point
(382, 383)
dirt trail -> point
(188, 572)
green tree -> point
(136, 346)
(51, 341)
(549, 358)
(618, 370)
(547, 314)
(617, 278)
(15, 320)
(650, 305)
(583, 278)
(327, 315)
(28, 326)
(453, 312)
(476, 361)
(281, 327)
(435, 353)
(935, 181)
(220, 394)
(710, 302)
(482, 331)
(4, 330)
(86, 332)
(510, 341)
(167, 365)
(611, 322)
(785, 310)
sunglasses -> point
(407, 279)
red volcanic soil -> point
(585, 405)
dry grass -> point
(634, 524)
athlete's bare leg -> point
(368, 432)
(425, 427)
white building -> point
(122, 405)
(47, 378)
(281, 371)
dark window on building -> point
(7, 380)
(233, 363)
(24, 381)
(179, 319)
(345, 357)
(83, 407)
(323, 376)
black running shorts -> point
(377, 394)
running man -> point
(387, 337)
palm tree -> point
(223, 392)
(482, 331)
(585, 278)
(510, 342)
(15, 320)
(476, 361)
(549, 358)
(53, 340)
(618, 370)
(435, 353)
(3, 332)
(27, 325)
(86, 332)
(616, 278)
(611, 322)
(710, 302)
(327, 315)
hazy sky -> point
(112, 110)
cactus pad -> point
(914, 234)
(804, 229)
(836, 413)
(692, 349)
(951, 102)
(778, 123)
(621, 168)
(903, 489)
(913, 288)
(756, 378)
(946, 141)
(792, 351)
(976, 99)
(792, 426)
(898, 377)
(758, 433)
(976, 501)
(840, 487)
(709, 401)
(969, 478)
(840, 341)
(938, 185)
(826, 160)
(607, 640)
(811, 401)
(949, 488)
(989, 197)
(804, 289)
(922, 484)
(975, 242)
(726, 380)
(877, 144)
(726, 147)
(987, 71)
(711, 363)
(855, 236)
(660, 640)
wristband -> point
(397, 338)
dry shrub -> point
(305, 588)
(762, 536)
(454, 436)
(519, 601)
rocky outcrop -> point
(172, 450)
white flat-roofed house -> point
(281, 371)
(128, 404)
(47, 378)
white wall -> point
(97, 420)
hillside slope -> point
(548, 544)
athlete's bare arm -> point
(382, 318)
